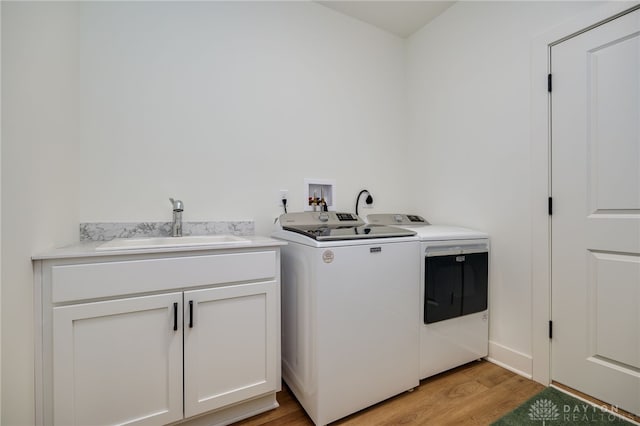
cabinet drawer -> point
(97, 280)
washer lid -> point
(331, 226)
(332, 233)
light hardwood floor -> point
(474, 394)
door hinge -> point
(550, 329)
(549, 83)
(550, 206)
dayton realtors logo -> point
(543, 409)
(546, 411)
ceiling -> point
(399, 17)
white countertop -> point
(88, 249)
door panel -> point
(231, 344)
(118, 362)
(615, 280)
(613, 115)
(595, 144)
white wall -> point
(110, 108)
(469, 81)
(223, 104)
(39, 117)
(0, 218)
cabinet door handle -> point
(175, 316)
(190, 313)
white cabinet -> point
(118, 362)
(152, 339)
(230, 340)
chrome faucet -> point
(176, 226)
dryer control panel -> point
(396, 219)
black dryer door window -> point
(455, 285)
(474, 274)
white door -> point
(231, 345)
(595, 137)
(118, 362)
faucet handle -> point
(178, 206)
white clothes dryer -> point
(454, 284)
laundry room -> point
(110, 108)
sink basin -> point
(162, 242)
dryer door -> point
(475, 282)
(443, 288)
(455, 285)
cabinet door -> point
(231, 344)
(118, 361)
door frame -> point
(540, 154)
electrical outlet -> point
(283, 195)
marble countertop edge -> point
(89, 249)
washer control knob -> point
(323, 217)
(397, 218)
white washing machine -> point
(454, 278)
(350, 331)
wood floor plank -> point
(475, 394)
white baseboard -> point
(510, 359)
